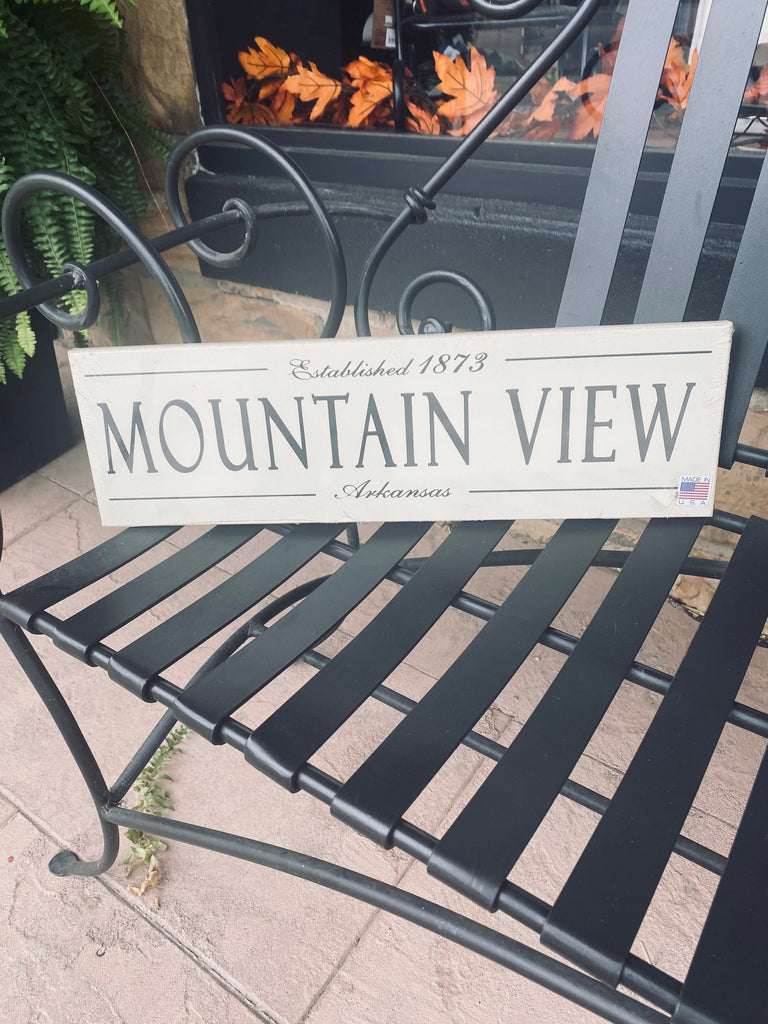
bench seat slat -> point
(22, 604)
(212, 698)
(727, 978)
(479, 849)
(377, 795)
(122, 605)
(297, 730)
(599, 911)
(172, 639)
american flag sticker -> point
(694, 490)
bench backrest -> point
(705, 136)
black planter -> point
(34, 428)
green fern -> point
(105, 8)
(63, 108)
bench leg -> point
(67, 862)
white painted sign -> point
(585, 422)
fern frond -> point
(63, 108)
(25, 335)
(105, 8)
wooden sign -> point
(611, 422)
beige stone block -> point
(694, 593)
(7, 811)
(29, 503)
(71, 470)
(229, 318)
(134, 326)
(158, 65)
(75, 951)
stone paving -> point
(231, 941)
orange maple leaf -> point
(312, 86)
(420, 120)
(372, 83)
(758, 91)
(283, 104)
(235, 92)
(609, 53)
(366, 101)
(361, 71)
(545, 111)
(471, 88)
(266, 61)
(589, 116)
(677, 78)
(240, 108)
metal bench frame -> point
(594, 920)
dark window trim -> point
(515, 170)
(551, 173)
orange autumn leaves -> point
(471, 89)
(574, 110)
(281, 88)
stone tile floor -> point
(231, 941)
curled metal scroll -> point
(54, 181)
(433, 325)
(84, 281)
(420, 200)
(510, 9)
(245, 137)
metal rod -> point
(66, 862)
(530, 963)
(53, 181)
(107, 265)
(419, 200)
(142, 757)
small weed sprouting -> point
(153, 799)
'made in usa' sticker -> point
(694, 490)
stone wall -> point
(158, 64)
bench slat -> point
(23, 604)
(479, 849)
(297, 730)
(377, 795)
(143, 592)
(599, 911)
(618, 152)
(727, 977)
(746, 304)
(713, 106)
(209, 700)
(172, 639)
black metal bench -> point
(597, 914)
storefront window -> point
(339, 65)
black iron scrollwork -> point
(235, 211)
(74, 275)
(500, 9)
(83, 280)
(247, 214)
(418, 201)
(433, 325)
